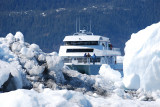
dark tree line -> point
(116, 19)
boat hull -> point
(86, 69)
(92, 69)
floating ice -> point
(61, 98)
(24, 60)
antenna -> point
(90, 25)
(79, 24)
(76, 25)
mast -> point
(79, 24)
(90, 25)
(76, 25)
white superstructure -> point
(83, 42)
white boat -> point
(77, 45)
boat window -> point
(81, 43)
(79, 50)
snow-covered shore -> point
(30, 77)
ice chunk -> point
(29, 64)
(16, 46)
(36, 70)
(27, 52)
(41, 57)
(19, 36)
(10, 38)
(32, 67)
(54, 62)
(132, 82)
(7, 68)
(55, 65)
(34, 47)
(119, 92)
(142, 57)
(4, 73)
(108, 73)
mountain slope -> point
(47, 22)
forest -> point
(47, 22)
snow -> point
(60, 9)
(43, 14)
(142, 57)
(84, 9)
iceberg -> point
(142, 58)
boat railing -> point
(116, 49)
(81, 60)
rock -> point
(9, 85)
